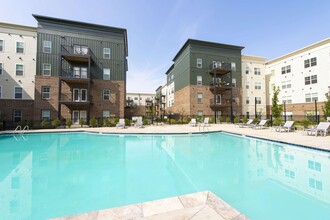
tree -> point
(276, 108)
(326, 107)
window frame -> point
(233, 66)
(42, 114)
(1, 69)
(15, 87)
(200, 98)
(103, 111)
(16, 69)
(43, 92)
(105, 74)
(257, 71)
(44, 69)
(200, 82)
(258, 100)
(15, 116)
(313, 61)
(105, 54)
(44, 46)
(313, 81)
(247, 70)
(106, 95)
(3, 45)
(18, 41)
(257, 87)
(199, 63)
(0, 94)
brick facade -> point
(7, 106)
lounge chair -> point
(193, 122)
(262, 124)
(288, 126)
(205, 123)
(322, 128)
(139, 123)
(121, 123)
(247, 124)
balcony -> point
(220, 103)
(75, 75)
(77, 98)
(218, 67)
(220, 86)
(77, 53)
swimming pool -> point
(57, 174)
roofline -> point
(85, 24)
(206, 43)
(169, 70)
(304, 49)
(250, 57)
(18, 27)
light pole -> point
(284, 111)
(255, 107)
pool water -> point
(57, 174)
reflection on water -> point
(46, 176)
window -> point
(314, 97)
(18, 93)
(287, 99)
(106, 94)
(19, 69)
(272, 72)
(256, 71)
(46, 69)
(247, 70)
(199, 80)
(247, 85)
(311, 97)
(106, 114)
(233, 66)
(199, 63)
(286, 69)
(17, 115)
(247, 100)
(314, 79)
(308, 97)
(45, 92)
(257, 85)
(199, 113)
(233, 82)
(106, 53)
(0, 95)
(106, 74)
(314, 165)
(82, 50)
(289, 158)
(258, 100)
(310, 62)
(286, 84)
(47, 47)
(19, 47)
(199, 98)
(289, 173)
(315, 184)
(45, 115)
(2, 43)
(1, 68)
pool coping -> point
(200, 205)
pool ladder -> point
(19, 130)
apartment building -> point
(205, 79)
(254, 86)
(160, 101)
(303, 77)
(17, 71)
(81, 70)
(139, 99)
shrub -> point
(305, 123)
(145, 122)
(127, 122)
(22, 123)
(81, 122)
(277, 121)
(114, 121)
(245, 120)
(106, 122)
(220, 119)
(256, 120)
(236, 120)
(44, 123)
(186, 120)
(56, 122)
(228, 119)
(68, 122)
(211, 121)
(30, 123)
(93, 122)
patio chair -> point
(247, 124)
(139, 123)
(262, 124)
(322, 128)
(193, 122)
(121, 123)
(288, 126)
(205, 123)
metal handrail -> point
(18, 127)
(26, 128)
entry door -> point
(218, 99)
(83, 115)
(84, 95)
(75, 117)
(75, 95)
(218, 114)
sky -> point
(157, 29)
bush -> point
(30, 123)
(305, 123)
(22, 123)
(93, 122)
(127, 122)
(211, 121)
(68, 122)
(114, 121)
(228, 119)
(81, 122)
(186, 120)
(44, 123)
(255, 121)
(145, 122)
(236, 120)
(277, 122)
(220, 119)
(106, 122)
(245, 120)
(56, 122)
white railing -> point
(26, 128)
(18, 129)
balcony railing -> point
(220, 84)
(75, 98)
(77, 50)
(220, 67)
(75, 74)
(220, 103)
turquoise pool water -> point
(50, 175)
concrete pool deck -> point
(200, 206)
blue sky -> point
(158, 28)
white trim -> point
(15, 92)
(0, 91)
(103, 95)
(2, 69)
(43, 46)
(3, 45)
(24, 46)
(73, 95)
(16, 69)
(81, 96)
(106, 53)
(43, 69)
(42, 92)
(109, 73)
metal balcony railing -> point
(69, 73)
(220, 103)
(78, 50)
(77, 98)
